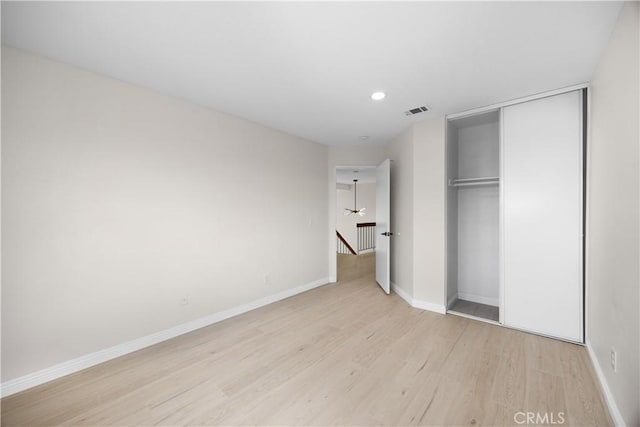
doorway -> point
(355, 215)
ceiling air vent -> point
(416, 110)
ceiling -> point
(309, 68)
(364, 174)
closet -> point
(515, 214)
(473, 214)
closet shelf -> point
(468, 182)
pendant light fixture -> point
(355, 210)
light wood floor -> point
(343, 354)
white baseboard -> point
(423, 305)
(402, 294)
(57, 371)
(478, 298)
(608, 396)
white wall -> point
(478, 215)
(613, 253)
(119, 202)
(479, 150)
(478, 245)
(347, 224)
(400, 151)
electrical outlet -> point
(184, 301)
(614, 360)
(266, 279)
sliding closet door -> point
(542, 215)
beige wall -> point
(418, 212)
(451, 232)
(118, 203)
(613, 254)
(429, 193)
(400, 151)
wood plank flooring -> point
(342, 354)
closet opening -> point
(473, 216)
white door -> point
(542, 179)
(383, 225)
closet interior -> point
(473, 215)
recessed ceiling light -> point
(378, 96)
(364, 137)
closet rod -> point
(473, 184)
(484, 178)
(474, 181)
